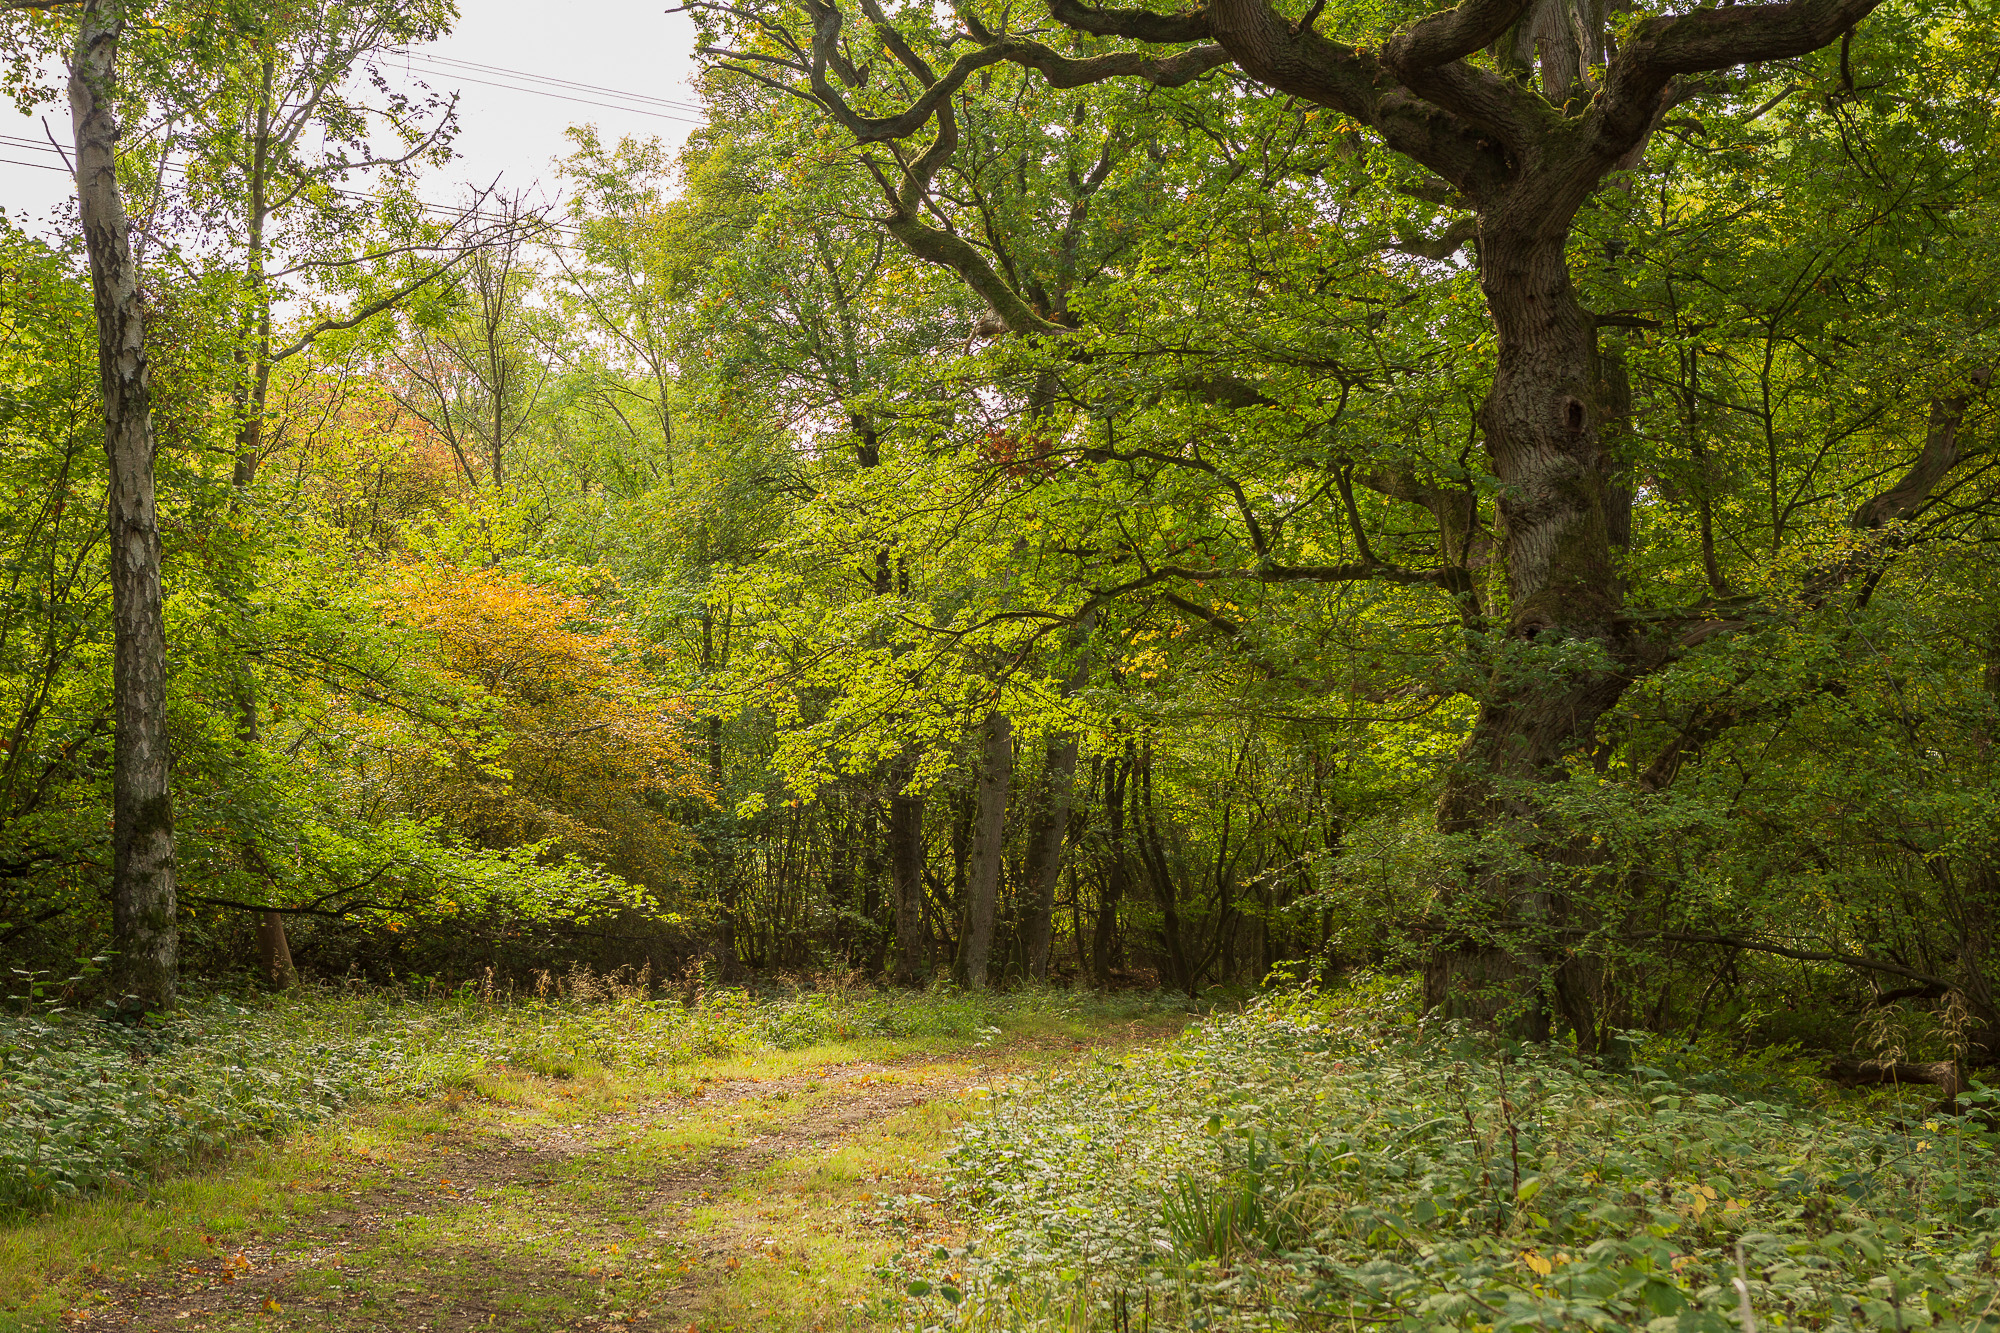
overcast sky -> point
(630, 46)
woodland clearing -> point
(1455, 541)
(1038, 1162)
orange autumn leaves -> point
(561, 733)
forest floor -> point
(768, 1192)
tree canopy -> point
(1500, 491)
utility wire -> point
(452, 61)
(447, 68)
(440, 210)
(580, 101)
(450, 66)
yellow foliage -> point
(564, 733)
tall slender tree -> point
(144, 914)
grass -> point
(91, 1106)
(1029, 1163)
(739, 1164)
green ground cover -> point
(1332, 1163)
(1035, 1161)
(721, 1162)
(90, 1105)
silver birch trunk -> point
(144, 925)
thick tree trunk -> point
(1544, 422)
(982, 884)
(144, 924)
(906, 870)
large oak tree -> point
(1511, 117)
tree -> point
(474, 377)
(563, 739)
(54, 609)
(1497, 151)
(264, 104)
(145, 925)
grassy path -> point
(753, 1193)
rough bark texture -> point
(144, 925)
(982, 883)
(274, 951)
(1544, 423)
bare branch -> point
(1139, 24)
(1809, 956)
(368, 311)
(1455, 238)
(1941, 453)
(1707, 39)
(1452, 35)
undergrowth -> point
(1332, 1163)
(87, 1105)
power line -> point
(444, 63)
(440, 210)
(450, 66)
(429, 58)
(443, 69)
(580, 101)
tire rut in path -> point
(240, 1287)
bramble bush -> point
(1332, 1162)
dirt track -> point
(671, 1214)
